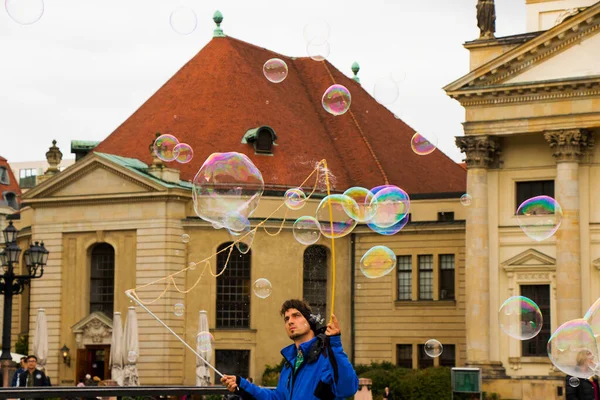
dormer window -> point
(263, 138)
(4, 179)
(11, 200)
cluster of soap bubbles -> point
(183, 20)
(316, 35)
(24, 12)
(167, 148)
(539, 217)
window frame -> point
(406, 346)
(519, 201)
(421, 271)
(546, 330)
(220, 367)
(406, 272)
(107, 307)
(242, 298)
(440, 275)
(319, 307)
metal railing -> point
(129, 392)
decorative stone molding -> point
(596, 263)
(480, 151)
(54, 157)
(569, 145)
(96, 328)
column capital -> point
(480, 151)
(569, 145)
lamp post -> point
(35, 259)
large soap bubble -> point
(572, 349)
(378, 261)
(520, 318)
(592, 316)
(366, 206)
(390, 230)
(227, 189)
(539, 217)
(332, 213)
(393, 204)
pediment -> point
(96, 328)
(537, 60)
(529, 259)
(95, 319)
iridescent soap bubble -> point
(433, 348)
(185, 238)
(236, 222)
(393, 203)
(572, 348)
(378, 261)
(390, 230)
(333, 218)
(184, 152)
(366, 206)
(423, 145)
(573, 381)
(386, 91)
(25, 12)
(592, 316)
(132, 356)
(317, 31)
(262, 288)
(183, 20)
(179, 309)
(243, 240)
(226, 183)
(336, 100)
(318, 51)
(295, 198)
(539, 217)
(164, 147)
(204, 341)
(520, 318)
(275, 70)
(466, 199)
(307, 230)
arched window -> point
(233, 289)
(315, 278)
(102, 279)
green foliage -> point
(408, 384)
(22, 344)
(271, 375)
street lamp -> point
(35, 258)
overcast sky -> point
(87, 65)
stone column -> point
(480, 152)
(569, 147)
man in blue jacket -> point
(315, 366)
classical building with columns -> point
(532, 106)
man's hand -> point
(230, 382)
(333, 328)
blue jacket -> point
(315, 378)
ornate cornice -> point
(569, 145)
(480, 151)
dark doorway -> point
(93, 360)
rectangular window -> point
(235, 362)
(404, 355)
(233, 289)
(424, 360)
(540, 294)
(445, 216)
(426, 277)
(4, 176)
(446, 277)
(529, 189)
(404, 277)
(448, 357)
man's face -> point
(31, 364)
(295, 324)
(23, 364)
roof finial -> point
(54, 157)
(355, 69)
(218, 18)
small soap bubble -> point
(179, 309)
(185, 153)
(307, 230)
(262, 288)
(275, 70)
(574, 381)
(164, 147)
(378, 261)
(185, 238)
(386, 91)
(334, 219)
(183, 20)
(433, 348)
(336, 100)
(25, 12)
(423, 145)
(295, 198)
(132, 356)
(318, 51)
(539, 217)
(205, 341)
(520, 318)
(466, 199)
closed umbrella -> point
(202, 371)
(117, 357)
(132, 350)
(40, 341)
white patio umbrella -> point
(40, 340)
(132, 350)
(117, 356)
(202, 371)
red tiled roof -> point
(463, 165)
(13, 185)
(221, 93)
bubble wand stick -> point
(332, 238)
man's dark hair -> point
(304, 309)
(23, 358)
(29, 357)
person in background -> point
(88, 380)
(81, 384)
(15, 379)
(581, 388)
(32, 376)
(387, 394)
